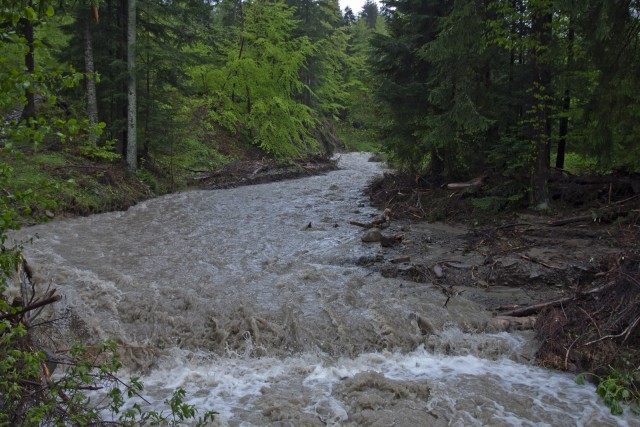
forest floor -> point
(571, 273)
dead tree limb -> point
(535, 308)
(570, 220)
(541, 263)
(381, 221)
(626, 333)
(473, 183)
(33, 306)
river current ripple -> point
(253, 301)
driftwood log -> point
(511, 323)
(528, 310)
(381, 221)
(461, 185)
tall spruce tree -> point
(458, 90)
(541, 33)
(404, 74)
(369, 13)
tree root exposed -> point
(595, 329)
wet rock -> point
(438, 271)
(401, 259)
(369, 260)
(376, 158)
(404, 271)
(388, 241)
(459, 265)
(372, 235)
(423, 325)
(389, 271)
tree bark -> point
(29, 110)
(132, 126)
(541, 30)
(563, 128)
(90, 81)
(436, 166)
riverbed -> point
(255, 301)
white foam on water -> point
(465, 390)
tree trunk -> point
(541, 135)
(131, 93)
(563, 128)
(146, 141)
(436, 166)
(90, 81)
(29, 62)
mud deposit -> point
(263, 303)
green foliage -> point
(617, 390)
(14, 83)
(479, 85)
(255, 92)
(580, 165)
(332, 68)
(63, 399)
(29, 395)
(404, 75)
(359, 139)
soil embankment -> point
(573, 276)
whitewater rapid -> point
(252, 299)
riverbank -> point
(63, 184)
(572, 274)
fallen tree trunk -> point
(535, 308)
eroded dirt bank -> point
(578, 269)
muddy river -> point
(252, 299)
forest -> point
(104, 102)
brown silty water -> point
(252, 300)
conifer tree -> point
(369, 13)
(458, 90)
(132, 111)
(403, 73)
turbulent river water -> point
(253, 301)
